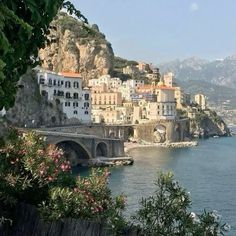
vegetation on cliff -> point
(208, 124)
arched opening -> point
(101, 150)
(111, 133)
(159, 133)
(74, 152)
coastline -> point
(132, 145)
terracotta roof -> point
(71, 74)
(166, 87)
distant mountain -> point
(216, 79)
(218, 72)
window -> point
(76, 85)
(75, 104)
(54, 82)
(86, 96)
(41, 79)
(76, 96)
(86, 104)
(67, 84)
(55, 92)
(67, 104)
(75, 112)
(67, 95)
(62, 82)
(86, 112)
(50, 81)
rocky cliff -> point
(74, 48)
(208, 124)
(33, 110)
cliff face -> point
(33, 110)
(208, 124)
(75, 49)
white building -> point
(168, 79)
(66, 88)
(134, 83)
(165, 107)
(112, 83)
(126, 91)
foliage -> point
(120, 63)
(166, 213)
(200, 117)
(90, 198)
(28, 167)
(23, 29)
(182, 113)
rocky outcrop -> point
(33, 110)
(208, 124)
(74, 48)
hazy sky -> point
(163, 30)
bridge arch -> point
(74, 151)
(101, 149)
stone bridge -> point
(80, 148)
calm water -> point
(207, 171)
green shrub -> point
(166, 213)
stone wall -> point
(162, 131)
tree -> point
(166, 213)
(24, 25)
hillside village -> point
(82, 82)
(109, 100)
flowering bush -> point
(38, 174)
(90, 198)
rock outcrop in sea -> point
(208, 124)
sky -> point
(163, 30)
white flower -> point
(227, 227)
(216, 215)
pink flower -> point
(50, 178)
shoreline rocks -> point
(108, 162)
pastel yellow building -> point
(200, 99)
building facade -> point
(66, 89)
(200, 99)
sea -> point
(207, 171)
